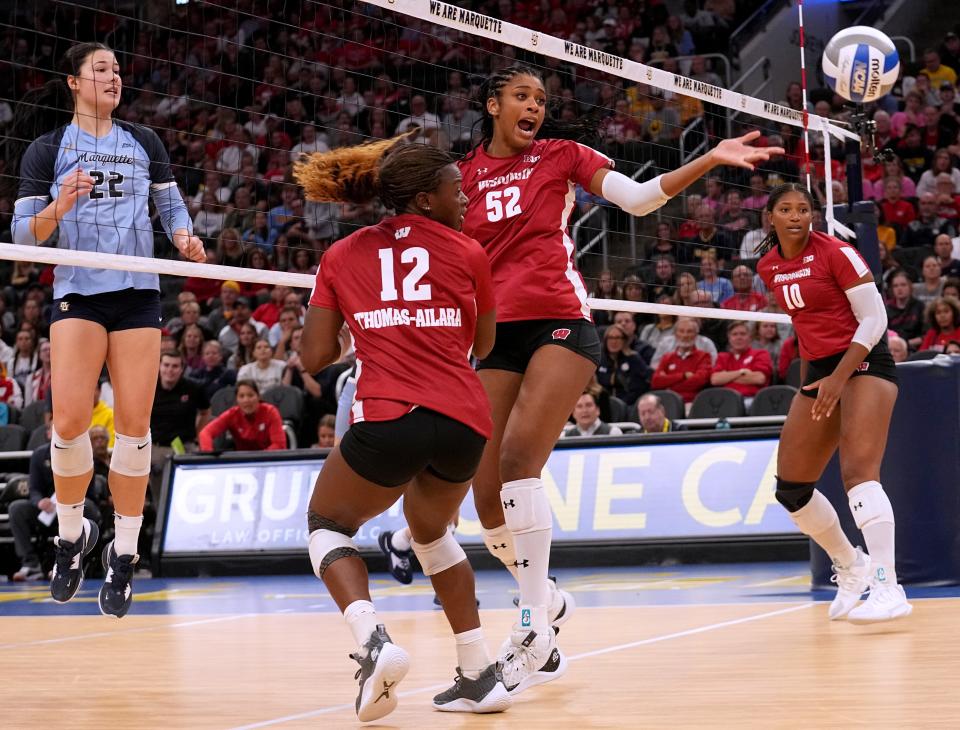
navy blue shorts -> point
(127, 309)
(517, 341)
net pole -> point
(803, 91)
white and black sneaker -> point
(398, 561)
(531, 659)
(382, 667)
(116, 593)
(67, 576)
(484, 694)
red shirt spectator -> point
(743, 369)
(255, 426)
(745, 298)
(788, 353)
(943, 316)
(268, 313)
(685, 370)
(895, 209)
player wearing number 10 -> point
(520, 182)
(416, 295)
(850, 383)
(90, 179)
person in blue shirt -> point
(88, 181)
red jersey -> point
(518, 211)
(671, 373)
(410, 290)
(753, 359)
(751, 302)
(934, 340)
(263, 431)
(809, 287)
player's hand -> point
(75, 185)
(46, 505)
(740, 153)
(828, 396)
(191, 247)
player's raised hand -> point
(191, 247)
(75, 185)
(739, 151)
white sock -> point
(127, 534)
(362, 620)
(499, 542)
(873, 514)
(533, 562)
(400, 540)
(820, 521)
(70, 520)
(472, 653)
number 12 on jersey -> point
(791, 295)
(413, 290)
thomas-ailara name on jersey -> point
(393, 317)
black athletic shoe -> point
(116, 593)
(484, 694)
(382, 667)
(68, 567)
(398, 561)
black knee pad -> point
(794, 495)
(319, 522)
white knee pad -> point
(439, 555)
(870, 504)
(500, 544)
(131, 455)
(70, 457)
(525, 506)
(327, 546)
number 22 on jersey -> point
(791, 296)
(413, 290)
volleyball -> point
(861, 64)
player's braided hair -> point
(585, 129)
(42, 110)
(391, 169)
(771, 240)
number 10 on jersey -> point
(791, 296)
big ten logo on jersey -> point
(413, 288)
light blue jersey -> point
(129, 166)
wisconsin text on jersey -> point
(505, 179)
(392, 317)
(799, 274)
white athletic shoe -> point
(886, 602)
(561, 605)
(531, 659)
(482, 695)
(852, 582)
(381, 668)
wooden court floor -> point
(774, 665)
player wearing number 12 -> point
(416, 295)
(90, 179)
(850, 387)
(521, 182)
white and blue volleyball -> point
(861, 64)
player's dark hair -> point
(931, 313)
(42, 110)
(584, 130)
(246, 383)
(392, 170)
(771, 240)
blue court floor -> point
(647, 586)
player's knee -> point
(439, 555)
(131, 455)
(794, 496)
(329, 542)
(525, 506)
(70, 457)
(515, 463)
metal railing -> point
(601, 235)
(909, 44)
(685, 156)
(763, 64)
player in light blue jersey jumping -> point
(90, 181)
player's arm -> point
(644, 198)
(871, 314)
(486, 332)
(320, 345)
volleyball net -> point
(237, 93)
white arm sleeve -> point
(868, 308)
(633, 197)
